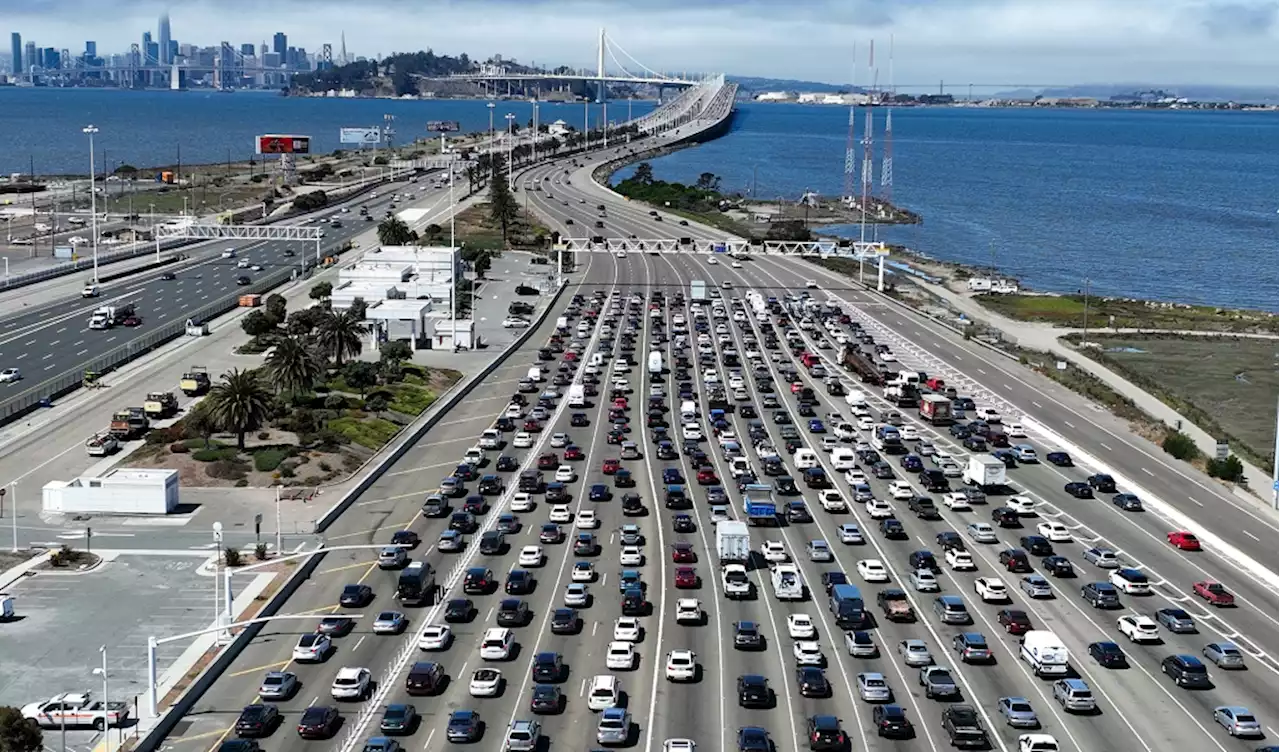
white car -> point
(9, 375)
(312, 647)
(955, 501)
(888, 357)
(586, 520)
(691, 432)
(621, 366)
(850, 533)
(1138, 628)
(774, 552)
(801, 627)
(1015, 431)
(522, 440)
(435, 637)
(522, 502)
(626, 629)
(872, 570)
(631, 556)
(879, 510)
(807, 653)
(682, 665)
(908, 433)
(514, 411)
(531, 556)
(620, 656)
(865, 423)
(712, 260)
(960, 560)
(991, 589)
(560, 513)
(620, 254)
(577, 595)
(514, 323)
(831, 500)
(989, 414)
(565, 474)
(1037, 743)
(583, 571)
(351, 684)
(1023, 505)
(559, 440)
(900, 489)
(688, 611)
(855, 477)
(735, 265)
(1054, 531)
(485, 682)
(981, 532)
(496, 644)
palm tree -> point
(201, 422)
(240, 403)
(341, 335)
(393, 231)
(291, 367)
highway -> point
(55, 338)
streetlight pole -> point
(217, 561)
(604, 114)
(106, 708)
(586, 123)
(510, 139)
(491, 105)
(279, 535)
(13, 504)
(534, 142)
(93, 199)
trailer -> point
(936, 409)
(986, 472)
(758, 504)
(733, 543)
(160, 404)
(195, 382)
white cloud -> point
(983, 41)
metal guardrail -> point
(57, 270)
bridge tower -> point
(326, 55)
(600, 92)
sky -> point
(998, 42)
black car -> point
(478, 580)
(754, 739)
(1061, 459)
(1006, 456)
(425, 678)
(508, 524)
(546, 698)
(459, 610)
(243, 281)
(812, 682)
(683, 523)
(405, 538)
(746, 636)
(547, 667)
(557, 493)
(1103, 483)
(168, 276)
(319, 722)
(463, 522)
(975, 443)
(1015, 560)
(1079, 490)
(1058, 566)
(1036, 545)
(507, 464)
(754, 691)
(785, 485)
(1006, 517)
(579, 420)
(519, 582)
(632, 505)
(1128, 502)
(513, 612)
(399, 718)
(257, 720)
(584, 544)
(564, 621)
(824, 733)
(891, 722)
(490, 485)
(911, 463)
(355, 596)
(493, 543)
(949, 539)
(797, 512)
(892, 529)
(1108, 654)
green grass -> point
(1226, 385)
(1069, 311)
(267, 460)
(370, 433)
(409, 399)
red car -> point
(796, 386)
(570, 356)
(1184, 540)
(620, 404)
(133, 321)
(1215, 593)
(1014, 621)
(610, 466)
(682, 553)
(532, 426)
(686, 577)
(573, 453)
(707, 477)
(548, 461)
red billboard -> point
(281, 144)
(443, 126)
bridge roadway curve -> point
(1244, 526)
(55, 338)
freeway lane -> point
(56, 339)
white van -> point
(688, 410)
(855, 398)
(805, 459)
(602, 692)
(535, 373)
(843, 458)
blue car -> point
(464, 726)
(911, 463)
(816, 426)
(671, 476)
(598, 492)
(629, 578)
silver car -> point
(915, 653)
(1036, 586)
(873, 687)
(1224, 655)
(1017, 712)
(614, 726)
(819, 551)
(390, 622)
(1238, 721)
(392, 557)
(981, 532)
(278, 685)
(576, 595)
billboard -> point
(282, 144)
(443, 126)
(362, 136)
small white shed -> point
(122, 491)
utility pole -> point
(1084, 337)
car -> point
(1186, 671)
(1036, 586)
(1036, 545)
(850, 534)
(582, 571)
(335, 626)
(878, 509)
(685, 577)
(938, 682)
(688, 611)
(257, 720)
(355, 596)
(754, 691)
(873, 687)
(531, 556)
(1224, 655)
(1214, 592)
(818, 550)
(463, 726)
(243, 281)
(312, 647)
(1017, 712)
(1022, 505)
(1060, 459)
(1015, 621)
(351, 683)
(1176, 620)
(1059, 566)
(972, 647)
(1078, 490)
(459, 610)
(515, 323)
(626, 629)
(861, 644)
(545, 698)
(924, 581)
(485, 682)
(631, 556)
(747, 636)
(1056, 532)
(1127, 502)
(497, 644)
(774, 552)
(10, 375)
(1238, 721)
(560, 513)
(959, 560)
(991, 589)
(915, 652)
(319, 722)
(1138, 628)
(399, 718)
(1015, 560)
(1108, 654)
(546, 667)
(1103, 558)
(872, 570)
(981, 532)
(390, 623)
(614, 726)
(681, 665)
(891, 722)
(620, 655)
(576, 595)
(956, 501)
(424, 678)
(278, 685)
(801, 627)
(435, 637)
(900, 489)
(754, 739)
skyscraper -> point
(280, 44)
(165, 56)
(15, 49)
(147, 59)
(90, 49)
(30, 56)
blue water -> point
(148, 128)
(1177, 206)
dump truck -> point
(195, 382)
(129, 423)
(160, 405)
(758, 504)
(101, 445)
(936, 409)
(76, 710)
(855, 360)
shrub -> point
(286, 471)
(242, 483)
(1229, 469)
(260, 552)
(266, 460)
(264, 435)
(1180, 445)
(225, 470)
(325, 466)
(335, 402)
(213, 454)
(231, 557)
(178, 448)
(158, 437)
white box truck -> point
(1044, 652)
(733, 543)
(985, 471)
(655, 363)
(577, 395)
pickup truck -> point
(1214, 593)
(160, 405)
(101, 445)
(735, 581)
(893, 602)
(76, 710)
(964, 727)
(938, 682)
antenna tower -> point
(868, 134)
(886, 159)
(850, 142)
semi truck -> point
(733, 543)
(855, 360)
(936, 409)
(985, 471)
(787, 583)
(758, 504)
(106, 317)
(417, 584)
(76, 710)
(698, 291)
(195, 382)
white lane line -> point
(1068, 424)
(1104, 446)
(20, 357)
(430, 736)
(359, 642)
(1037, 404)
(1195, 501)
(1251, 535)
(50, 355)
(1148, 472)
(984, 373)
(82, 352)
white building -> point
(558, 128)
(123, 491)
(405, 289)
(775, 96)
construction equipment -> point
(129, 423)
(196, 381)
(160, 404)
